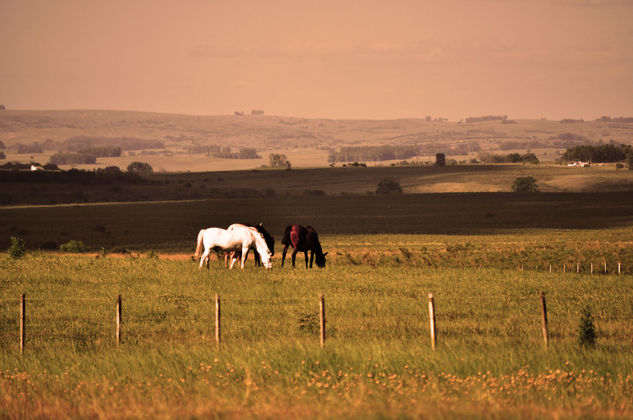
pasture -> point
(377, 361)
(485, 257)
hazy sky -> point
(333, 59)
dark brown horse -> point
(303, 239)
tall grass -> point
(377, 360)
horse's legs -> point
(283, 255)
(294, 257)
(244, 254)
(205, 254)
(311, 258)
(233, 260)
(305, 254)
(256, 257)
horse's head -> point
(320, 260)
(266, 260)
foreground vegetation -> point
(377, 362)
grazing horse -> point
(303, 239)
(240, 238)
(270, 242)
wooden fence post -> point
(619, 267)
(322, 318)
(578, 268)
(22, 323)
(119, 319)
(550, 268)
(217, 320)
(564, 268)
(605, 267)
(591, 269)
(544, 319)
(432, 321)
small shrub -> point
(73, 246)
(524, 184)
(389, 186)
(309, 323)
(17, 249)
(586, 329)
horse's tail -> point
(286, 239)
(199, 243)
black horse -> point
(303, 239)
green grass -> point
(377, 361)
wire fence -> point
(411, 315)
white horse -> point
(239, 238)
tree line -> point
(603, 153)
(509, 158)
(398, 152)
(225, 152)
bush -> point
(440, 159)
(586, 329)
(389, 186)
(524, 184)
(73, 246)
(139, 168)
(17, 249)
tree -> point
(140, 168)
(629, 160)
(278, 161)
(524, 184)
(586, 329)
(389, 186)
(2, 155)
(440, 159)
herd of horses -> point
(239, 238)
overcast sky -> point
(332, 59)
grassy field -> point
(485, 257)
(377, 362)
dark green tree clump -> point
(524, 184)
(141, 168)
(71, 158)
(509, 158)
(389, 186)
(602, 153)
(276, 160)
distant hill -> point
(187, 133)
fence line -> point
(322, 320)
